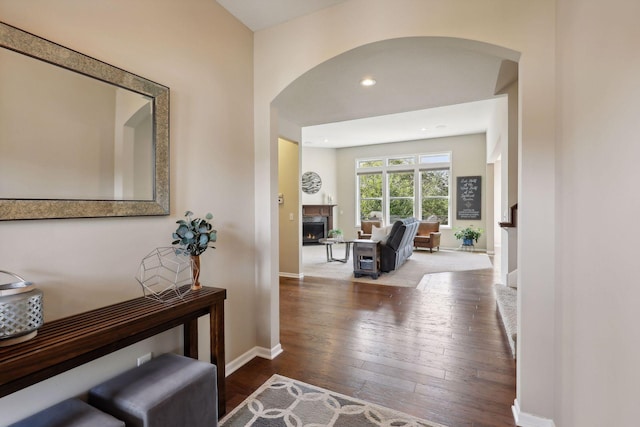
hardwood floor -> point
(437, 353)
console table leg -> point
(191, 338)
(216, 330)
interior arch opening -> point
(426, 88)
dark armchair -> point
(399, 245)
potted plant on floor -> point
(468, 235)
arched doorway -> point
(289, 51)
(413, 73)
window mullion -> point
(417, 193)
(385, 197)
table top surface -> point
(331, 241)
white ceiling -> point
(461, 119)
(260, 14)
(426, 87)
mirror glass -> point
(78, 137)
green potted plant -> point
(194, 236)
(468, 235)
(336, 233)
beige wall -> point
(291, 166)
(289, 211)
(285, 52)
(323, 162)
(502, 148)
(336, 167)
(468, 154)
(577, 343)
(205, 56)
(598, 151)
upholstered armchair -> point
(365, 227)
(428, 235)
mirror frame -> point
(36, 47)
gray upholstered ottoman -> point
(70, 413)
(168, 391)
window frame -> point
(370, 171)
(416, 167)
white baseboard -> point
(245, 358)
(265, 353)
(527, 420)
(292, 275)
(457, 248)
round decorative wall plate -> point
(311, 182)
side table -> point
(366, 258)
(328, 244)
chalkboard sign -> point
(469, 200)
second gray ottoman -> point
(168, 391)
(70, 413)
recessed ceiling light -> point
(367, 81)
(423, 129)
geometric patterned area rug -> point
(283, 402)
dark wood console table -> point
(69, 342)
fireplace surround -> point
(317, 220)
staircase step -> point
(507, 302)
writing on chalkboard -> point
(469, 201)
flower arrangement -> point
(194, 235)
(468, 234)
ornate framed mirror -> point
(78, 137)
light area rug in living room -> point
(421, 263)
(282, 401)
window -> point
(435, 158)
(401, 200)
(434, 189)
(394, 161)
(370, 191)
(371, 163)
(404, 186)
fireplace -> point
(314, 228)
(317, 220)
